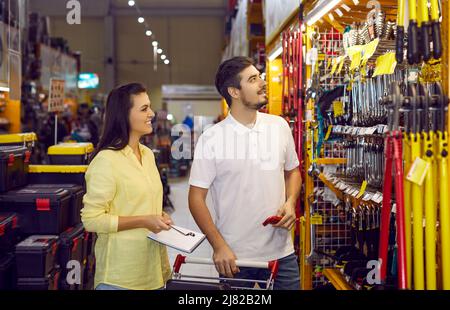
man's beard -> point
(255, 106)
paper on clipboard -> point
(179, 238)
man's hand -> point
(225, 261)
(287, 211)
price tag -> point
(362, 190)
(418, 171)
(316, 219)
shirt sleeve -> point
(100, 191)
(291, 158)
(203, 169)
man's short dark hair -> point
(228, 75)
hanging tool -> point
(410, 125)
(424, 29)
(400, 31)
(413, 46)
(444, 206)
(417, 195)
(436, 30)
(393, 152)
(430, 206)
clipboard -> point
(178, 238)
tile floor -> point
(182, 217)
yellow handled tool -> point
(417, 207)
(430, 213)
(400, 31)
(436, 29)
(424, 29)
(413, 34)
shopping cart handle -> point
(181, 259)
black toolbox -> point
(14, 167)
(7, 272)
(48, 283)
(89, 244)
(71, 250)
(57, 174)
(76, 200)
(37, 256)
(41, 211)
(89, 273)
(70, 153)
(9, 235)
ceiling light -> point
(166, 61)
(317, 12)
(131, 3)
(155, 43)
(163, 57)
(148, 33)
(141, 20)
(345, 7)
(276, 53)
(159, 51)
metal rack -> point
(331, 228)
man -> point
(249, 163)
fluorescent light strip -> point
(277, 52)
(316, 14)
(345, 7)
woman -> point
(124, 196)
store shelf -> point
(341, 188)
(331, 161)
(337, 279)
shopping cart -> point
(195, 282)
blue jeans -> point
(288, 276)
(109, 287)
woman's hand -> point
(157, 223)
(167, 218)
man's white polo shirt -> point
(243, 169)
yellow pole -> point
(401, 13)
(444, 208)
(430, 214)
(434, 10)
(306, 275)
(412, 9)
(417, 206)
(407, 193)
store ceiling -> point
(173, 3)
(100, 8)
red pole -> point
(386, 208)
(400, 214)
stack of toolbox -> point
(41, 204)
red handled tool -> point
(393, 153)
(272, 220)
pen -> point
(184, 234)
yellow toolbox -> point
(70, 153)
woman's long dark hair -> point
(116, 126)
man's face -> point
(253, 89)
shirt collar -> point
(240, 128)
(127, 150)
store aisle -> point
(179, 189)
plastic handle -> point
(413, 48)
(437, 44)
(425, 41)
(239, 263)
(399, 44)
